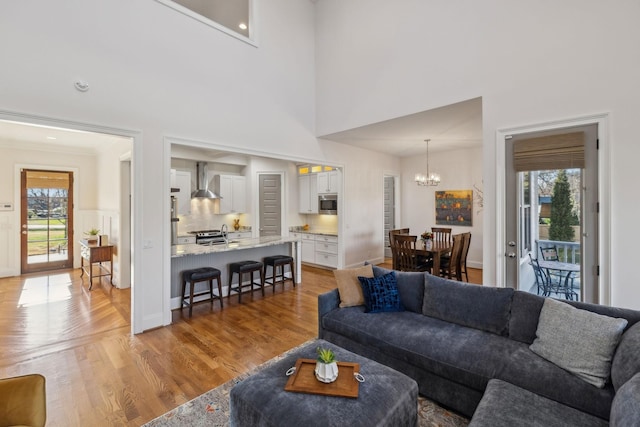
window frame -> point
(252, 39)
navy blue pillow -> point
(381, 293)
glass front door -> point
(47, 220)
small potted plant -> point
(326, 366)
(92, 235)
(426, 239)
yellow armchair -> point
(23, 401)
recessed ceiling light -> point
(51, 137)
(242, 26)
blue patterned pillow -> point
(381, 293)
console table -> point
(92, 254)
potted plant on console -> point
(92, 236)
(326, 366)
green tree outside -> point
(562, 213)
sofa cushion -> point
(525, 311)
(475, 306)
(381, 293)
(626, 361)
(349, 285)
(506, 405)
(410, 286)
(625, 410)
(577, 340)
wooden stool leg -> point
(192, 285)
(261, 280)
(184, 290)
(211, 290)
(240, 287)
(230, 280)
(220, 291)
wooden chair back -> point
(441, 234)
(392, 234)
(466, 242)
(407, 257)
(453, 268)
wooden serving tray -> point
(303, 380)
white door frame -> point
(136, 163)
(604, 192)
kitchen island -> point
(192, 255)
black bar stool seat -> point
(279, 262)
(202, 274)
(242, 268)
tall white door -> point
(531, 176)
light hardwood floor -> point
(99, 374)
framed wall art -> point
(454, 207)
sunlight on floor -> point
(45, 289)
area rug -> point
(212, 408)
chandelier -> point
(430, 179)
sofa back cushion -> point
(525, 312)
(410, 287)
(475, 306)
(626, 360)
(625, 409)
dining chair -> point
(441, 234)
(392, 234)
(466, 242)
(407, 257)
(550, 253)
(541, 277)
(450, 266)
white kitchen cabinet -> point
(185, 240)
(308, 249)
(329, 182)
(233, 190)
(238, 235)
(308, 194)
(182, 181)
(326, 250)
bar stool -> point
(280, 261)
(203, 274)
(242, 268)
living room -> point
(316, 76)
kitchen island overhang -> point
(184, 257)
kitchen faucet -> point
(224, 232)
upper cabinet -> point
(182, 181)
(329, 182)
(233, 192)
(308, 194)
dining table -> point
(566, 270)
(436, 250)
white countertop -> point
(234, 245)
(323, 233)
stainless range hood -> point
(202, 185)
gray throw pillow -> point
(578, 341)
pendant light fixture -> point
(430, 179)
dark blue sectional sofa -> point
(461, 342)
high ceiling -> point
(452, 127)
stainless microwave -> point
(328, 204)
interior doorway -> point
(389, 212)
(46, 218)
(270, 199)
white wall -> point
(530, 64)
(459, 170)
(362, 232)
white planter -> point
(326, 372)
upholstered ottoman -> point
(385, 398)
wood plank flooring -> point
(99, 374)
